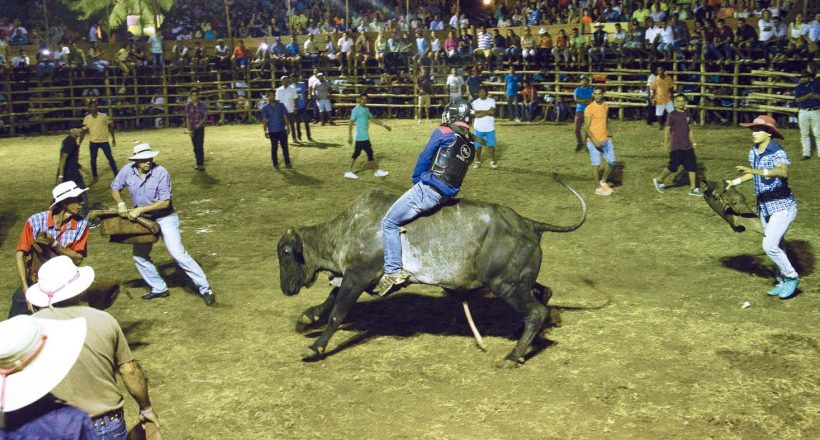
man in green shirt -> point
(361, 116)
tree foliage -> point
(119, 10)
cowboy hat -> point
(66, 190)
(35, 356)
(143, 151)
(764, 121)
(598, 25)
(542, 31)
(59, 280)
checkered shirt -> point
(767, 189)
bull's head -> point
(291, 263)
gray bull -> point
(465, 246)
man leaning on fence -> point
(807, 99)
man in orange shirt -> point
(241, 56)
(661, 89)
(61, 228)
(599, 141)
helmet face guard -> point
(458, 110)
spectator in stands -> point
(544, 49)
(136, 53)
(484, 48)
(346, 55)
(726, 11)
(99, 126)
(262, 57)
(797, 42)
(513, 51)
(598, 43)
(499, 46)
(451, 47)
(527, 46)
(279, 54)
(666, 41)
(294, 54)
(95, 60)
(4, 52)
(465, 44)
(561, 50)
(302, 100)
(724, 36)
(329, 54)
(473, 82)
(777, 44)
(652, 39)
(610, 15)
(807, 99)
(745, 38)
(437, 48)
(155, 40)
(661, 91)
(619, 38)
(222, 54)
(680, 35)
(311, 49)
(424, 90)
(19, 38)
(241, 56)
(512, 87)
(455, 85)
(641, 13)
(577, 44)
(363, 48)
(812, 34)
(436, 24)
(76, 58)
(45, 62)
(633, 45)
(199, 59)
(766, 35)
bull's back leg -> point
(353, 284)
(534, 313)
(318, 313)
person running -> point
(679, 140)
(599, 141)
(361, 116)
(776, 204)
(484, 108)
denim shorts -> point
(487, 136)
(595, 155)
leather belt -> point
(107, 418)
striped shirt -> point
(773, 193)
(72, 234)
(485, 41)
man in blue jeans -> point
(149, 185)
(439, 171)
(512, 83)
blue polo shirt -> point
(274, 114)
(512, 80)
(807, 89)
(301, 90)
(582, 93)
(473, 83)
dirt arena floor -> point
(648, 337)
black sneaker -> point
(288, 166)
(578, 148)
(208, 297)
(153, 295)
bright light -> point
(263, 46)
(487, 2)
(46, 52)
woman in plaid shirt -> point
(776, 205)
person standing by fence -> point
(98, 126)
(275, 123)
(807, 98)
(583, 96)
(196, 113)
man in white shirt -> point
(652, 38)
(287, 95)
(345, 45)
(455, 84)
(436, 24)
(484, 125)
(667, 40)
(812, 30)
(765, 34)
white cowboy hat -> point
(542, 31)
(142, 152)
(59, 280)
(66, 190)
(35, 356)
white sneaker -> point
(493, 165)
(661, 188)
(351, 175)
(477, 164)
(601, 192)
(381, 173)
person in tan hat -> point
(91, 385)
(60, 230)
(149, 186)
(776, 205)
(35, 356)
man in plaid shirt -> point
(196, 112)
(776, 204)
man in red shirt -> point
(61, 230)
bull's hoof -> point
(510, 362)
(305, 322)
(311, 354)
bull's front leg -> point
(523, 300)
(353, 284)
(318, 313)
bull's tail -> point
(545, 227)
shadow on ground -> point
(800, 253)
(7, 219)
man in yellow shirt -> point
(98, 126)
(599, 141)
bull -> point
(464, 247)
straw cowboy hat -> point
(66, 190)
(765, 121)
(35, 355)
(143, 151)
(59, 280)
